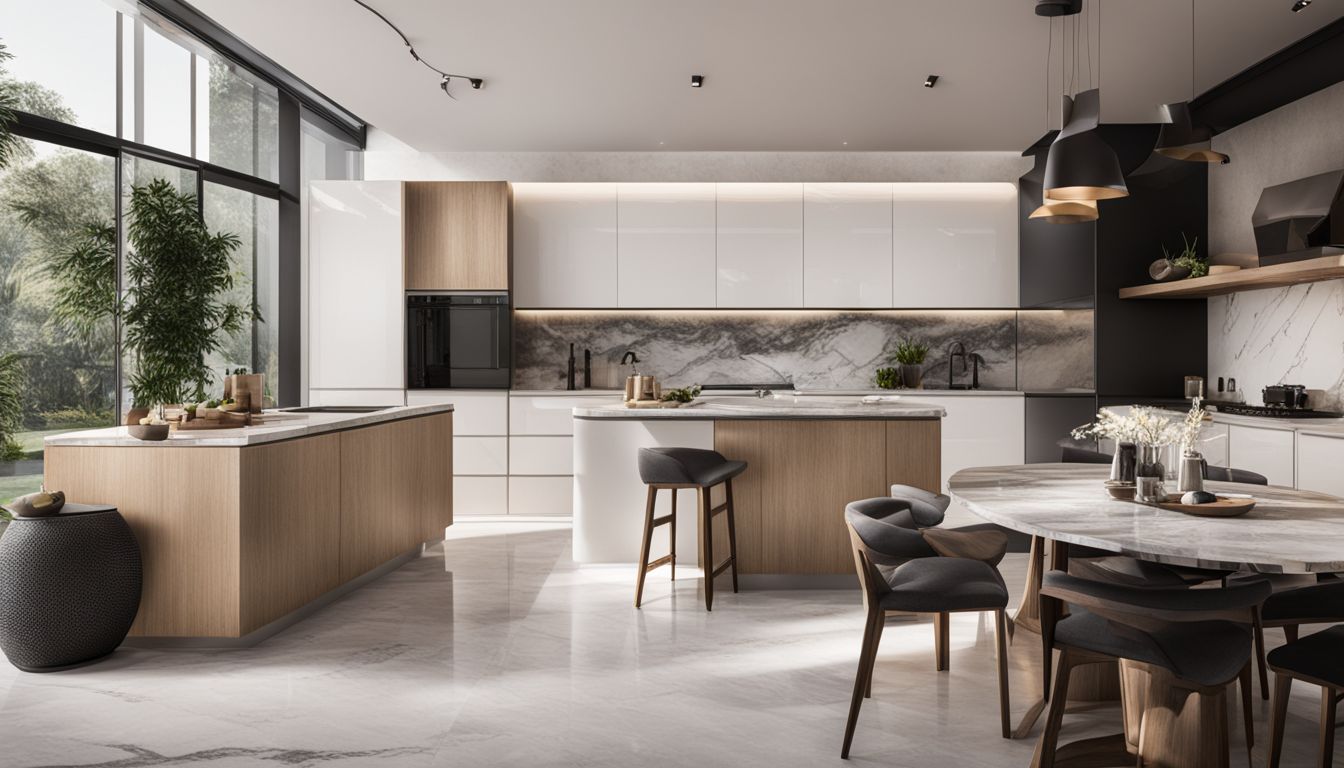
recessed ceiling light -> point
(697, 81)
(930, 81)
(1300, 4)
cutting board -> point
(1223, 507)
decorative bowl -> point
(148, 431)
(1122, 491)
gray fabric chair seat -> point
(1206, 652)
(1318, 601)
(686, 466)
(943, 584)
(927, 508)
(1234, 475)
(1319, 656)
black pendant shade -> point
(1066, 211)
(1058, 7)
(1081, 165)
(1181, 139)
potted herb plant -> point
(910, 356)
(888, 378)
(178, 275)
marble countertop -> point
(1289, 531)
(278, 425)
(590, 392)
(775, 407)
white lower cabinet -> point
(541, 495)
(480, 496)
(548, 455)
(480, 455)
(1213, 444)
(476, 412)
(1266, 451)
(1320, 460)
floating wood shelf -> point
(1309, 271)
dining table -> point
(1288, 531)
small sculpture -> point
(40, 504)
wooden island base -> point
(234, 539)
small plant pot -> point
(134, 416)
(912, 376)
(149, 432)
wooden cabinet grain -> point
(457, 235)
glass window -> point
(237, 119)
(65, 54)
(57, 295)
(164, 103)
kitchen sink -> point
(338, 409)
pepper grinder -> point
(569, 375)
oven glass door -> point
(473, 337)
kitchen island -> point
(242, 529)
(808, 457)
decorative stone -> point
(1198, 497)
(40, 504)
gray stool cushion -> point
(1319, 601)
(1319, 656)
(686, 466)
(940, 584)
(927, 508)
(1205, 652)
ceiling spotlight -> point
(1300, 4)
(930, 81)
(697, 81)
(476, 83)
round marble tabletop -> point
(1289, 531)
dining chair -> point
(903, 569)
(1317, 659)
(1321, 603)
(1179, 649)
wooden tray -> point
(652, 404)
(226, 420)
(1223, 507)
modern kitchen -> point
(408, 383)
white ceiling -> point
(780, 75)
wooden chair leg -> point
(1247, 720)
(1001, 642)
(644, 545)
(1054, 721)
(1259, 650)
(867, 652)
(707, 545)
(1290, 633)
(732, 531)
(1328, 698)
(941, 642)
(1283, 686)
(877, 643)
(672, 539)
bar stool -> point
(674, 469)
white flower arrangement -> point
(1192, 425)
(1142, 425)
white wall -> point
(1291, 335)
(387, 158)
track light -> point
(475, 82)
(697, 81)
(930, 81)
(1300, 4)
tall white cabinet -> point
(847, 245)
(760, 245)
(954, 245)
(564, 245)
(665, 247)
(356, 304)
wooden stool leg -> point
(707, 545)
(867, 652)
(732, 531)
(1290, 633)
(1283, 686)
(1259, 650)
(1001, 642)
(941, 642)
(1327, 727)
(672, 539)
(644, 545)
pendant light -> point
(1054, 211)
(1080, 164)
(1180, 138)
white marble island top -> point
(277, 425)
(780, 406)
(1289, 531)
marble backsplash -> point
(822, 349)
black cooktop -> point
(1275, 412)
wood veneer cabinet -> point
(234, 538)
(457, 235)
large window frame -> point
(295, 97)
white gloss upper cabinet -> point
(666, 240)
(760, 245)
(847, 245)
(954, 245)
(356, 303)
(564, 245)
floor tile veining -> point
(495, 649)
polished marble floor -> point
(495, 649)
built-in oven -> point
(458, 341)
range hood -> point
(1301, 219)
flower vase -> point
(1191, 475)
(1150, 474)
(1122, 465)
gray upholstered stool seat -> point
(942, 584)
(675, 468)
(686, 466)
(1319, 656)
(1205, 652)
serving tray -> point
(1223, 507)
